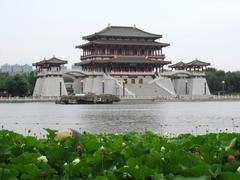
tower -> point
(189, 79)
(49, 78)
(124, 61)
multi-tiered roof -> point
(195, 64)
(50, 63)
(121, 46)
(121, 35)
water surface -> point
(171, 117)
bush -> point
(21, 84)
(125, 156)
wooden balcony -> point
(131, 73)
(97, 56)
(110, 56)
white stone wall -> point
(87, 87)
(77, 86)
(165, 84)
(160, 86)
(38, 87)
(180, 86)
(195, 86)
(198, 86)
(49, 86)
(111, 87)
(147, 90)
(114, 85)
(92, 84)
(97, 86)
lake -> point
(162, 117)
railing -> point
(184, 97)
(226, 97)
(50, 73)
(101, 56)
(131, 73)
(170, 97)
(28, 99)
(93, 73)
(191, 73)
(108, 56)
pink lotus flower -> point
(230, 158)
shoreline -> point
(124, 100)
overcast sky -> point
(205, 29)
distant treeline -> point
(221, 82)
(21, 84)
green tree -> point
(18, 85)
(32, 80)
(4, 78)
(233, 81)
(214, 79)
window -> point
(125, 81)
(140, 81)
(133, 81)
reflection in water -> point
(171, 117)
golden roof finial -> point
(109, 25)
(134, 26)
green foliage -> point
(31, 78)
(125, 156)
(4, 78)
(19, 84)
(216, 77)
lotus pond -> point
(129, 155)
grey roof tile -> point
(123, 31)
(125, 43)
(52, 60)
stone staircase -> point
(119, 84)
(156, 81)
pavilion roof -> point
(197, 63)
(124, 43)
(126, 60)
(51, 61)
(178, 65)
(123, 31)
